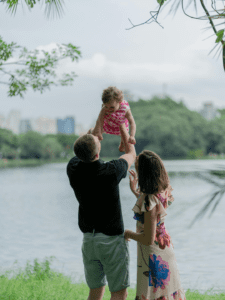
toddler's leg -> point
(122, 145)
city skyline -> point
(15, 122)
(147, 60)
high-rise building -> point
(66, 126)
(80, 130)
(25, 126)
(13, 121)
(209, 112)
(2, 121)
(44, 125)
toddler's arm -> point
(130, 118)
(99, 124)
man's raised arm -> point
(130, 152)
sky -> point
(147, 60)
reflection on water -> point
(39, 219)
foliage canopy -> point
(34, 69)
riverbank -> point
(22, 163)
(39, 282)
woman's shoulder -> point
(145, 202)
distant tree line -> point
(163, 126)
(171, 130)
(35, 145)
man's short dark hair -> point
(85, 148)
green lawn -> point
(39, 282)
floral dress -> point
(112, 122)
(157, 274)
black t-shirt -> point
(96, 187)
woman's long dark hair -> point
(152, 175)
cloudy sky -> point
(147, 60)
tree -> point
(8, 137)
(66, 141)
(31, 145)
(214, 16)
(36, 68)
(52, 148)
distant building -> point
(80, 130)
(66, 126)
(13, 121)
(25, 126)
(2, 121)
(209, 112)
(44, 125)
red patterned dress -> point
(113, 121)
(157, 273)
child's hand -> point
(132, 140)
(126, 233)
(133, 181)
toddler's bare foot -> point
(122, 147)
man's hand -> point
(96, 133)
(132, 140)
(90, 131)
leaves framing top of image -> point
(36, 68)
(211, 17)
(52, 7)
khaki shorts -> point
(104, 257)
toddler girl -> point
(115, 111)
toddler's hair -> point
(112, 93)
(152, 175)
(85, 148)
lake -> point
(39, 219)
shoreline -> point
(21, 163)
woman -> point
(157, 273)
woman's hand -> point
(133, 181)
(126, 233)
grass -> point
(39, 282)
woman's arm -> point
(147, 238)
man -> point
(96, 187)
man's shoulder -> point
(72, 163)
(118, 163)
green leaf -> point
(224, 56)
(219, 35)
(161, 1)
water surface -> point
(39, 219)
